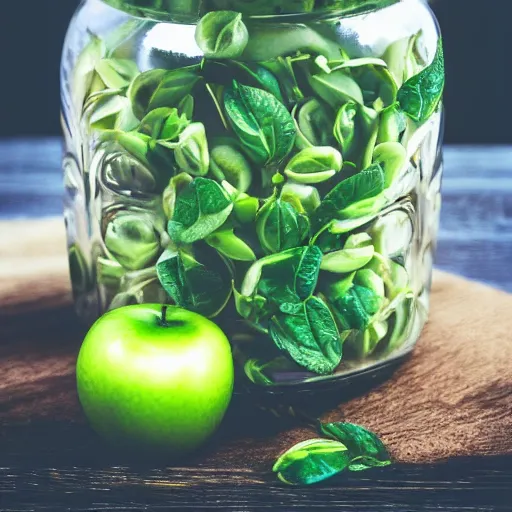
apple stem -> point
(163, 320)
(173, 322)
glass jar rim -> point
(177, 10)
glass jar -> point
(274, 166)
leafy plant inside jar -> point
(293, 180)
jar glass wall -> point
(278, 173)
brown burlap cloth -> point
(453, 397)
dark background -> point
(478, 51)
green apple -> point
(155, 377)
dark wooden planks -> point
(475, 237)
(474, 485)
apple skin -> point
(159, 388)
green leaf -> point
(253, 309)
(80, 273)
(367, 131)
(306, 274)
(246, 208)
(369, 279)
(392, 124)
(368, 126)
(280, 262)
(142, 89)
(303, 197)
(228, 163)
(261, 122)
(402, 317)
(262, 78)
(109, 272)
(311, 462)
(314, 165)
(339, 227)
(356, 130)
(394, 275)
(132, 240)
(261, 372)
(420, 95)
(135, 144)
(247, 73)
(378, 86)
(310, 178)
(285, 278)
(393, 233)
(345, 126)
(356, 253)
(172, 191)
(354, 304)
(109, 111)
(84, 73)
(186, 106)
(201, 208)
(253, 370)
(163, 123)
(282, 68)
(138, 287)
(360, 62)
(140, 147)
(309, 336)
(359, 305)
(126, 175)
(336, 88)
(278, 282)
(341, 287)
(399, 279)
(161, 88)
(329, 242)
(117, 73)
(279, 226)
(231, 246)
(365, 449)
(376, 332)
(311, 120)
(191, 152)
(222, 35)
(402, 68)
(377, 83)
(362, 186)
(392, 157)
(174, 86)
(203, 288)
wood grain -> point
(33, 264)
(453, 486)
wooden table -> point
(67, 472)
